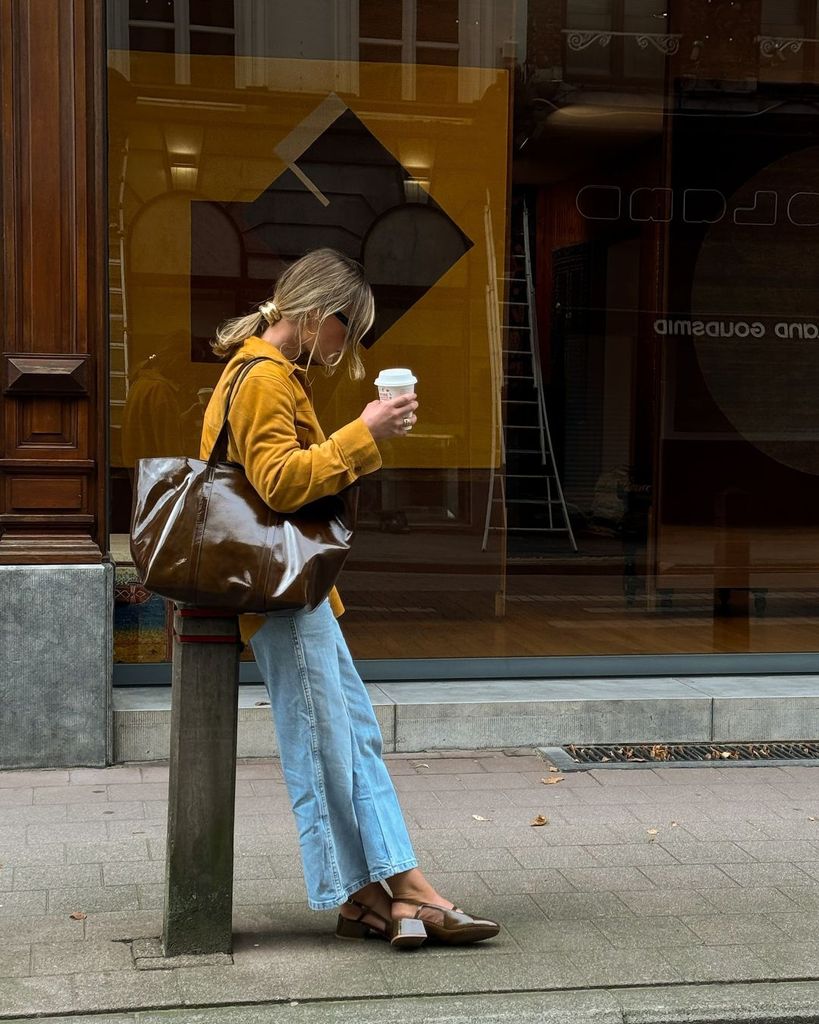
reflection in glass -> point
(653, 379)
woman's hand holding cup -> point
(393, 417)
(394, 414)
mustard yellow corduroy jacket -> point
(273, 432)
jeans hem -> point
(375, 876)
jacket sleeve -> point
(287, 476)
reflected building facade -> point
(589, 226)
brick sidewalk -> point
(641, 877)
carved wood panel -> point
(54, 359)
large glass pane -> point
(590, 233)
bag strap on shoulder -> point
(220, 445)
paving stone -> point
(748, 901)
(32, 814)
(631, 854)
(15, 960)
(810, 868)
(805, 898)
(151, 895)
(258, 770)
(144, 791)
(801, 927)
(659, 904)
(154, 773)
(284, 865)
(460, 886)
(14, 796)
(89, 899)
(460, 766)
(21, 854)
(511, 836)
(521, 881)
(563, 906)
(427, 783)
(67, 832)
(748, 875)
(676, 811)
(578, 815)
(268, 890)
(532, 930)
(52, 875)
(512, 763)
(118, 850)
(502, 781)
(465, 973)
(626, 967)
(36, 996)
(473, 860)
(284, 978)
(123, 924)
(120, 990)
(732, 929)
(116, 830)
(684, 876)
(738, 831)
(117, 775)
(80, 957)
(543, 856)
(448, 839)
(653, 932)
(493, 801)
(717, 963)
(26, 903)
(71, 794)
(44, 928)
(607, 879)
(109, 811)
(37, 777)
(790, 960)
(244, 867)
(130, 872)
(701, 851)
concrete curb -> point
(766, 1003)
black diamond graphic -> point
(347, 192)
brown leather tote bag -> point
(201, 535)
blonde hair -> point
(315, 287)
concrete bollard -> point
(204, 716)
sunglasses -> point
(344, 319)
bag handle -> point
(220, 445)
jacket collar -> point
(254, 347)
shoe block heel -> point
(347, 929)
(407, 933)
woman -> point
(351, 830)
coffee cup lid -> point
(397, 376)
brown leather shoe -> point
(402, 932)
(457, 927)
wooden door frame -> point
(53, 241)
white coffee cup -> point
(394, 382)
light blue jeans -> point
(351, 828)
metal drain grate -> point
(574, 757)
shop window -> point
(617, 39)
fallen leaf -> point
(421, 764)
(262, 704)
(478, 817)
(78, 915)
(652, 831)
(553, 768)
(552, 780)
(604, 759)
(674, 824)
(539, 820)
(811, 819)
